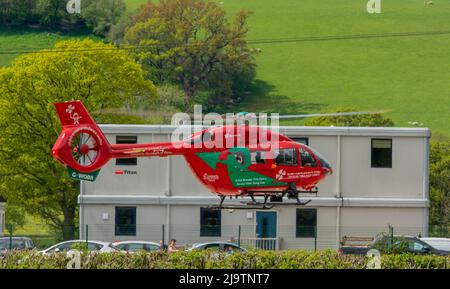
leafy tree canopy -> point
(191, 43)
(440, 187)
(98, 74)
(376, 119)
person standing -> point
(172, 246)
(162, 246)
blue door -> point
(266, 227)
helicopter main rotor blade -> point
(350, 113)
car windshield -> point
(111, 245)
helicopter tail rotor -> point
(81, 146)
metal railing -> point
(261, 243)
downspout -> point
(81, 212)
(338, 192)
(168, 193)
(426, 142)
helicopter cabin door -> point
(309, 167)
(248, 168)
(285, 164)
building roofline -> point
(287, 130)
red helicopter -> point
(272, 167)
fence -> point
(282, 237)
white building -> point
(380, 178)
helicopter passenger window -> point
(287, 157)
(258, 157)
(307, 159)
(239, 158)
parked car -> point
(18, 243)
(438, 243)
(219, 246)
(96, 246)
(397, 244)
(134, 246)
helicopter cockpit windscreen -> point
(324, 163)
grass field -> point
(407, 74)
(13, 40)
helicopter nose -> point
(328, 171)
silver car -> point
(134, 246)
(95, 246)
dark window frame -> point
(126, 161)
(311, 230)
(118, 229)
(298, 140)
(212, 230)
(376, 163)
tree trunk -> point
(68, 225)
(189, 93)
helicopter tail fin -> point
(81, 146)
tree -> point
(100, 75)
(191, 43)
(375, 119)
(51, 12)
(439, 217)
(101, 15)
(17, 12)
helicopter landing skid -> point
(256, 205)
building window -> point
(306, 223)
(125, 221)
(381, 153)
(210, 222)
(125, 139)
(302, 140)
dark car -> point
(396, 244)
(18, 243)
(218, 246)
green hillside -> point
(408, 74)
(327, 66)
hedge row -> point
(326, 259)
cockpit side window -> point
(240, 159)
(258, 157)
(286, 157)
(307, 158)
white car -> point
(134, 246)
(438, 243)
(97, 246)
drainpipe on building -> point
(168, 193)
(81, 212)
(426, 184)
(338, 192)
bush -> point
(326, 259)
